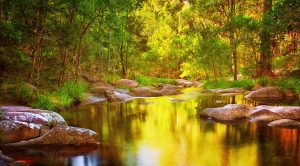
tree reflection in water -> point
(168, 131)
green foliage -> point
(151, 81)
(73, 89)
(263, 81)
(25, 93)
(222, 83)
(289, 83)
(63, 97)
(43, 101)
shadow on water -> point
(168, 131)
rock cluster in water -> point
(27, 126)
(277, 116)
(111, 93)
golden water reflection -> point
(168, 131)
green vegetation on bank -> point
(289, 83)
(58, 99)
(282, 82)
(151, 81)
(222, 83)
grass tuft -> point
(151, 81)
(222, 83)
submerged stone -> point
(285, 123)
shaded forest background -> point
(47, 42)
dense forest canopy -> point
(53, 41)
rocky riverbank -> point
(125, 89)
(275, 116)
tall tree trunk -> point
(265, 59)
(122, 62)
(232, 41)
(63, 66)
(234, 56)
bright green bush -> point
(222, 83)
(151, 81)
(43, 101)
(63, 97)
(73, 89)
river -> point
(168, 131)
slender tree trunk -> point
(234, 56)
(265, 64)
(101, 61)
(63, 66)
(232, 41)
(122, 62)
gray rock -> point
(30, 115)
(266, 113)
(115, 95)
(226, 113)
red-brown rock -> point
(63, 135)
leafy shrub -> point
(289, 83)
(25, 93)
(263, 81)
(73, 89)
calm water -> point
(167, 131)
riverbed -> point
(168, 131)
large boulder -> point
(268, 93)
(100, 87)
(15, 131)
(266, 113)
(63, 135)
(126, 83)
(30, 115)
(226, 113)
(146, 92)
(169, 91)
(285, 123)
